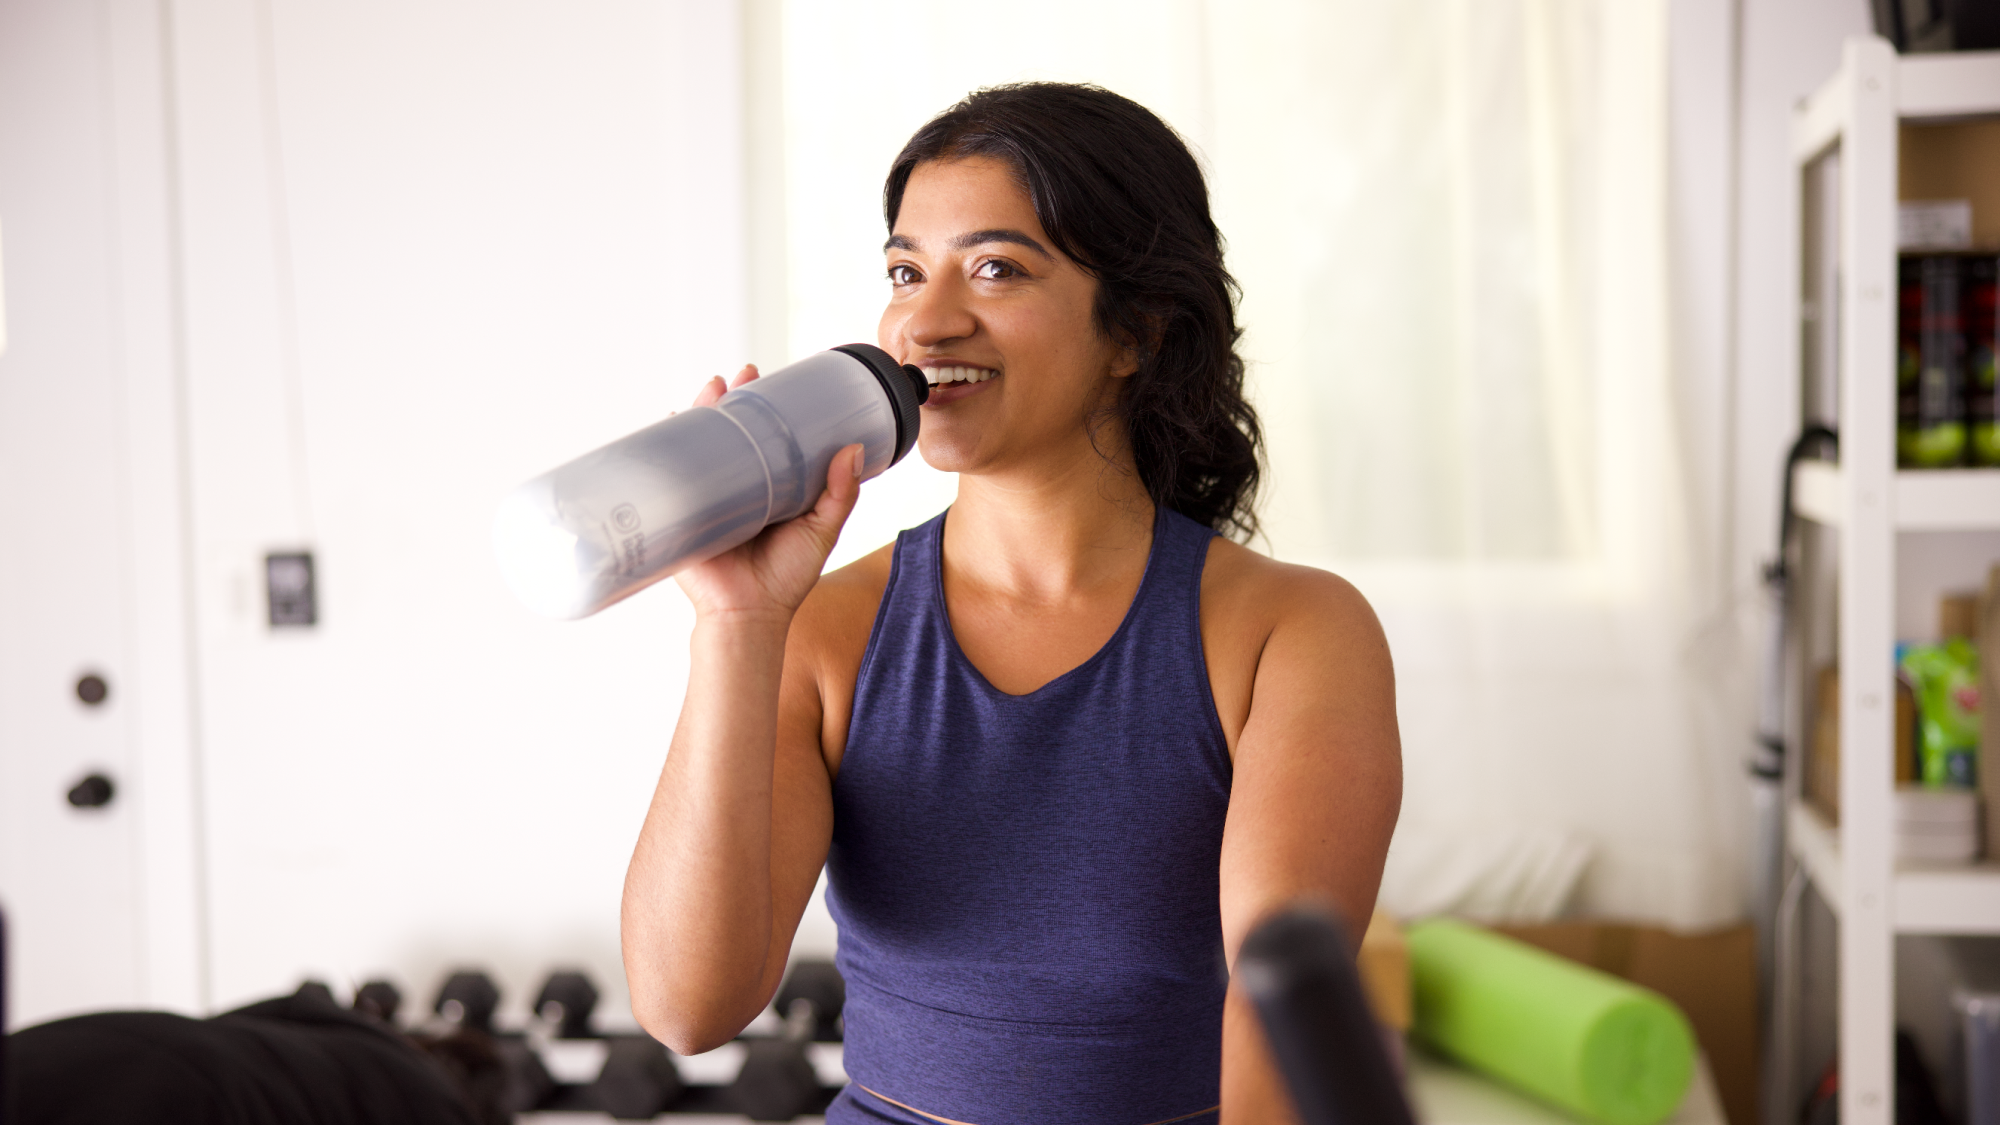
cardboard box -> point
(1954, 160)
(1822, 767)
(1384, 964)
(1712, 976)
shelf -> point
(1929, 898)
(1960, 84)
(1925, 499)
(1928, 88)
(1849, 208)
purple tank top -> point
(1026, 886)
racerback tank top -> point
(1027, 886)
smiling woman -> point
(1145, 238)
(1060, 748)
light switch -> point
(289, 590)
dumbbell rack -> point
(707, 1078)
(567, 1067)
(1854, 117)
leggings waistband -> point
(949, 1121)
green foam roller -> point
(1595, 1045)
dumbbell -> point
(819, 983)
(378, 998)
(467, 1001)
(777, 1082)
(638, 1081)
(566, 1002)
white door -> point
(96, 815)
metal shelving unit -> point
(1856, 115)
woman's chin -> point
(942, 451)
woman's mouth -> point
(949, 384)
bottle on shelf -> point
(1982, 330)
(1930, 368)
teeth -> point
(940, 375)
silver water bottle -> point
(612, 522)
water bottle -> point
(614, 521)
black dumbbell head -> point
(468, 999)
(777, 1082)
(819, 984)
(528, 1082)
(638, 1080)
(378, 998)
(567, 999)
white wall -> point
(424, 252)
(432, 250)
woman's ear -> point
(1126, 363)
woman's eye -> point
(903, 275)
(995, 270)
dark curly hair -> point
(1118, 191)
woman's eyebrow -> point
(968, 240)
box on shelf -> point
(1936, 825)
(1822, 776)
(1958, 616)
(1934, 224)
(1956, 160)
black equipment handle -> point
(1297, 970)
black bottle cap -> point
(905, 385)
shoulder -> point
(1269, 600)
(841, 608)
(1287, 640)
(823, 652)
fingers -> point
(843, 488)
(843, 474)
(710, 391)
(715, 388)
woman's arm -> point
(740, 821)
(1317, 787)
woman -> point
(1060, 748)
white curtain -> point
(1449, 221)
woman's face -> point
(980, 295)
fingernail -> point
(858, 451)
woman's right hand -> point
(771, 574)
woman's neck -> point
(1050, 535)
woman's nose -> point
(938, 315)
